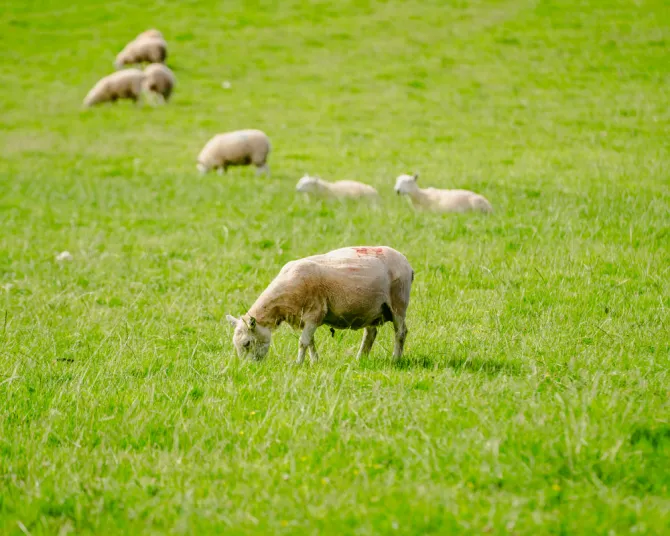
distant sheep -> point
(237, 148)
(440, 200)
(348, 288)
(159, 79)
(126, 84)
(338, 190)
(142, 50)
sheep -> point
(159, 80)
(338, 190)
(348, 288)
(126, 84)
(237, 148)
(440, 200)
(142, 50)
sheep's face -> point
(405, 184)
(250, 339)
(307, 184)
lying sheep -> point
(237, 148)
(348, 288)
(159, 80)
(440, 200)
(142, 50)
(126, 84)
(338, 190)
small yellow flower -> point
(470, 485)
(378, 466)
(283, 523)
(325, 481)
(374, 499)
(241, 432)
(252, 413)
(556, 487)
(303, 458)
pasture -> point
(534, 396)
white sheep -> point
(159, 80)
(440, 200)
(237, 148)
(142, 50)
(338, 190)
(348, 288)
(126, 84)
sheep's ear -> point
(415, 176)
(252, 323)
(232, 320)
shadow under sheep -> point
(492, 367)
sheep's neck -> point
(271, 308)
(325, 188)
(419, 197)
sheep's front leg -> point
(400, 336)
(369, 336)
(264, 169)
(306, 341)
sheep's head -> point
(250, 339)
(405, 184)
(307, 184)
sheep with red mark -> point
(349, 288)
(440, 200)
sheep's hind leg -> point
(306, 341)
(369, 336)
(313, 355)
(400, 336)
(264, 169)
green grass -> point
(535, 393)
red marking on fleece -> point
(377, 252)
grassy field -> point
(534, 397)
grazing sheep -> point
(142, 50)
(440, 200)
(159, 79)
(338, 190)
(348, 288)
(237, 148)
(126, 84)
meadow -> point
(534, 396)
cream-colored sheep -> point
(142, 50)
(125, 84)
(348, 288)
(237, 148)
(159, 80)
(440, 200)
(338, 190)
